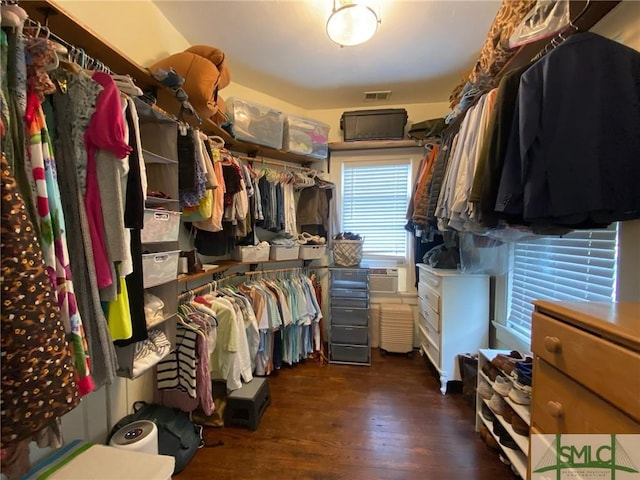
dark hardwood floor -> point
(384, 422)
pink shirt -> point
(105, 131)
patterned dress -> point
(37, 371)
(53, 237)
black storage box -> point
(427, 130)
(386, 124)
(246, 405)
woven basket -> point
(347, 253)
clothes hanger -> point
(217, 141)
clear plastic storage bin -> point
(160, 226)
(159, 268)
(306, 137)
(256, 123)
(253, 254)
(284, 252)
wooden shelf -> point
(223, 266)
(372, 144)
(71, 30)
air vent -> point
(378, 96)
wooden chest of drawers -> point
(586, 376)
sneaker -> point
(503, 435)
(506, 363)
(502, 386)
(507, 441)
(508, 413)
(498, 429)
(487, 413)
(497, 404)
(524, 372)
(519, 425)
(520, 394)
(487, 438)
(490, 371)
(485, 390)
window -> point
(375, 196)
(578, 266)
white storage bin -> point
(253, 254)
(160, 226)
(306, 137)
(312, 252)
(159, 268)
(256, 123)
(284, 252)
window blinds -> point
(578, 266)
(374, 205)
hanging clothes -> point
(73, 109)
(183, 378)
(53, 238)
(492, 151)
(37, 368)
(230, 360)
(572, 157)
(313, 210)
(105, 131)
(421, 196)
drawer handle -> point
(555, 409)
(553, 344)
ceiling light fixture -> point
(352, 23)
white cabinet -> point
(517, 456)
(453, 318)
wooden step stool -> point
(246, 405)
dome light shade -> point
(352, 24)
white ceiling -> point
(420, 51)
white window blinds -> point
(374, 205)
(578, 266)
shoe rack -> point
(158, 240)
(517, 456)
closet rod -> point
(276, 270)
(263, 160)
(211, 286)
(73, 50)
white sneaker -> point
(502, 385)
(497, 404)
(520, 395)
(485, 390)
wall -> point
(137, 29)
